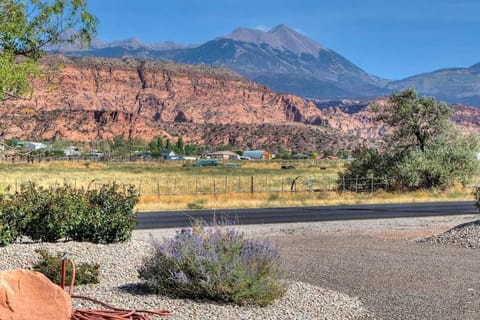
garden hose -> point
(113, 313)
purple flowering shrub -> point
(216, 264)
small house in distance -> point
(33, 146)
(167, 154)
(222, 155)
(257, 154)
(72, 151)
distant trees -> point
(27, 27)
(423, 149)
(157, 144)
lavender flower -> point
(215, 263)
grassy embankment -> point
(171, 186)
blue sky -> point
(390, 38)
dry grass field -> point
(175, 185)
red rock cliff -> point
(92, 98)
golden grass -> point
(292, 199)
(169, 185)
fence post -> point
(283, 180)
(343, 183)
(226, 184)
(371, 191)
(251, 184)
(214, 191)
(356, 184)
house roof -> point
(226, 152)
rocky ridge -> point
(85, 99)
(92, 99)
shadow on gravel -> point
(134, 288)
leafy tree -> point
(328, 153)
(192, 149)
(27, 27)
(168, 145)
(343, 154)
(120, 145)
(423, 147)
(157, 144)
(417, 122)
(179, 146)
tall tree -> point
(179, 146)
(27, 27)
(417, 122)
(424, 149)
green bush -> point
(10, 222)
(197, 204)
(476, 194)
(441, 167)
(44, 213)
(273, 197)
(64, 212)
(214, 264)
(7, 231)
(50, 266)
(109, 216)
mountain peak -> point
(295, 41)
(131, 43)
(281, 28)
(280, 37)
(475, 66)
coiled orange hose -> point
(113, 313)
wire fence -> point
(361, 184)
(198, 185)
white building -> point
(222, 155)
(36, 146)
(72, 151)
(257, 154)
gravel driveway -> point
(380, 262)
(365, 269)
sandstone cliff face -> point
(91, 98)
(468, 118)
(355, 119)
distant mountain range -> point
(454, 85)
(288, 61)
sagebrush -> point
(217, 264)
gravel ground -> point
(366, 269)
(383, 264)
(119, 286)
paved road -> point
(171, 219)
